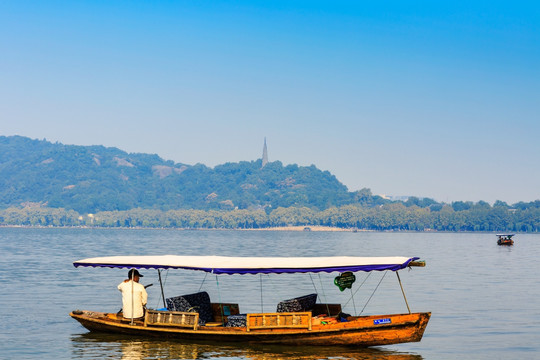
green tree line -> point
(398, 216)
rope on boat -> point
(352, 298)
(322, 289)
(368, 275)
(200, 287)
(316, 291)
(324, 294)
(373, 293)
(273, 287)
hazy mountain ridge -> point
(98, 178)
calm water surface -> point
(484, 298)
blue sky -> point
(429, 98)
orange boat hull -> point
(363, 331)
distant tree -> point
(424, 202)
(461, 206)
(482, 204)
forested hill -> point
(89, 179)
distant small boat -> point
(505, 239)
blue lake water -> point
(484, 298)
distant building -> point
(265, 154)
(397, 198)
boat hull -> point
(361, 331)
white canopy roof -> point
(250, 265)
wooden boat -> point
(321, 324)
(505, 239)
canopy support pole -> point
(403, 292)
(220, 303)
(161, 286)
(262, 303)
(132, 294)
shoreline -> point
(306, 228)
(314, 228)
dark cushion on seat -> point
(302, 303)
(198, 302)
(239, 320)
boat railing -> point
(298, 320)
(171, 318)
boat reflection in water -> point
(101, 345)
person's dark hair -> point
(132, 273)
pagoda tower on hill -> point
(265, 154)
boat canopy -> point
(251, 265)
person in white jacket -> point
(134, 296)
